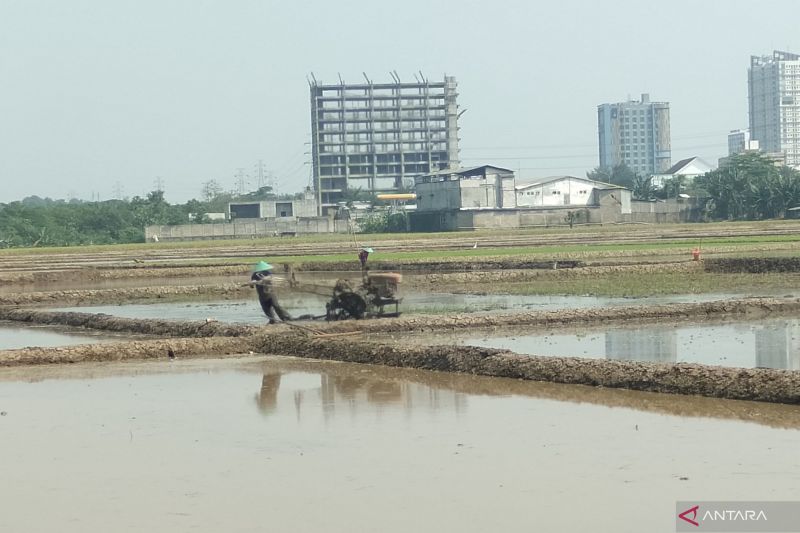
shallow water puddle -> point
(12, 337)
(769, 344)
(311, 446)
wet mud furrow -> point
(131, 294)
(752, 265)
(103, 322)
(571, 317)
(766, 385)
(755, 307)
(133, 350)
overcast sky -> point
(95, 93)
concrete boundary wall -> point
(248, 228)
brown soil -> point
(103, 322)
(573, 317)
(765, 385)
(778, 386)
(753, 265)
(115, 296)
(476, 281)
(121, 351)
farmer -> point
(363, 255)
(262, 280)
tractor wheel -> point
(351, 304)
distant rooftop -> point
(777, 55)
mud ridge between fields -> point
(132, 350)
(444, 280)
(422, 323)
(773, 415)
(753, 265)
(767, 385)
(115, 296)
(571, 317)
(104, 322)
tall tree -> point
(620, 174)
(751, 187)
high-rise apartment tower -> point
(377, 136)
(635, 133)
(774, 97)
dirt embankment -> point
(116, 296)
(454, 264)
(733, 383)
(765, 385)
(752, 265)
(425, 323)
(752, 307)
(476, 282)
(778, 386)
(121, 351)
(103, 322)
(134, 271)
(773, 415)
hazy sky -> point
(99, 92)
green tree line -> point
(750, 186)
(37, 221)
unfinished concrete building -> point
(378, 136)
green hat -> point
(261, 266)
(368, 250)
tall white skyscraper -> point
(774, 95)
(635, 133)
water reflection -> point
(767, 344)
(352, 388)
(657, 346)
(313, 387)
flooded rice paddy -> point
(285, 445)
(12, 336)
(247, 311)
(772, 343)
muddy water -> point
(771, 343)
(124, 283)
(247, 311)
(234, 311)
(12, 337)
(286, 446)
(473, 303)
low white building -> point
(561, 191)
(302, 207)
(688, 168)
(484, 187)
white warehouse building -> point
(562, 191)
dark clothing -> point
(362, 256)
(266, 297)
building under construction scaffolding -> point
(378, 136)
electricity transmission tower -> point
(241, 181)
